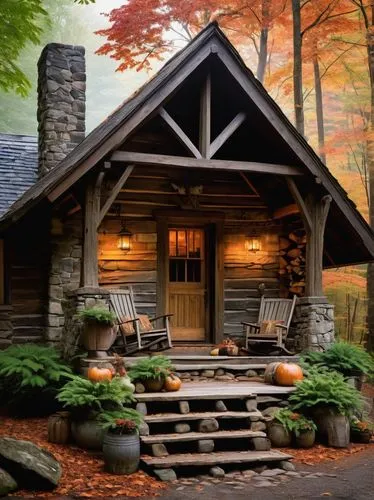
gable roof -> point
(114, 130)
(18, 167)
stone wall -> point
(61, 103)
(313, 323)
(65, 272)
(6, 326)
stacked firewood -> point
(292, 261)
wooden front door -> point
(187, 290)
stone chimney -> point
(61, 103)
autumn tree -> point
(135, 41)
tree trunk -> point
(297, 67)
(319, 107)
(263, 53)
(370, 153)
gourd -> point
(96, 374)
(126, 381)
(59, 427)
(172, 383)
(288, 373)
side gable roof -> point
(18, 167)
(113, 131)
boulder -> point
(31, 466)
(7, 483)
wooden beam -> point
(205, 117)
(282, 212)
(248, 182)
(90, 244)
(226, 133)
(114, 193)
(178, 132)
(300, 203)
(318, 210)
(2, 273)
(181, 161)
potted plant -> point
(350, 360)
(99, 331)
(302, 428)
(361, 431)
(121, 446)
(151, 372)
(86, 400)
(328, 398)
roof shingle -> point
(18, 167)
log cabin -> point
(197, 192)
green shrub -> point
(83, 396)
(343, 357)
(150, 368)
(30, 376)
(323, 388)
(98, 315)
(294, 422)
(118, 421)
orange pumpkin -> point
(172, 383)
(96, 374)
(288, 374)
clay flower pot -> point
(332, 426)
(98, 338)
(153, 384)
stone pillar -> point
(64, 274)
(61, 103)
(313, 323)
(6, 326)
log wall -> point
(244, 272)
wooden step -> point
(184, 367)
(195, 436)
(240, 362)
(253, 416)
(214, 458)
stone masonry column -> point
(313, 323)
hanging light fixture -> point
(124, 236)
(253, 242)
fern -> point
(98, 315)
(31, 373)
(82, 395)
(343, 357)
(322, 388)
(150, 368)
(109, 419)
(294, 422)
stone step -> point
(195, 436)
(213, 458)
(253, 416)
(192, 361)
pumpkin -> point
(172, 383)
(288, 374)
(96, 374)
(214, 352)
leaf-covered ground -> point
(83, 474)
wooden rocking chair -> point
(136, 332)
(273, 324)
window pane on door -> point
(194, 271)
(182, 243)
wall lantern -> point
(124, 239)
(253, 243)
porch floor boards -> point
(216, 390)
(184, 417)
(195, 436)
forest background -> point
(315, 58)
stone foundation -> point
(6, 326)
(313, 323)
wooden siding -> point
(29, 260)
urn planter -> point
(153, 384)
(279, 436)
(305, 439)
(121, 453)
(98, 338)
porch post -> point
(90, 245)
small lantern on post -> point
(253, 242)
